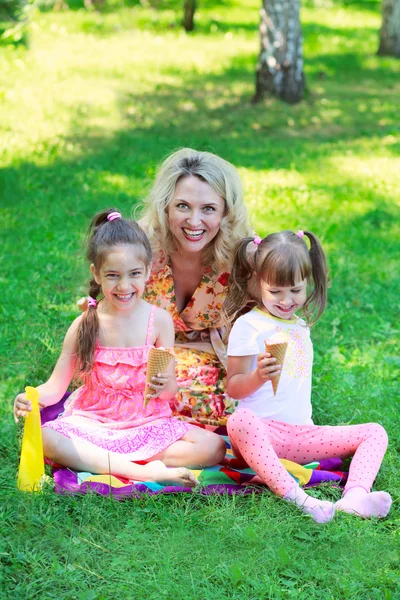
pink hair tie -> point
(92, 302)
(113, 216)
(300, 233)
(257, 240)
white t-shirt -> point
(292, 403)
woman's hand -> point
(22, 406)
(267, 368)
(160, 383)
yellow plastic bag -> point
(31, 464)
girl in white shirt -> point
(282, 275)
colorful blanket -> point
(231, 477)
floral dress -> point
(108, 410)
(200, 351)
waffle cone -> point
(278, 351)
(157, 362)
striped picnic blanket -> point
(231, 477)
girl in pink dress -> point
(106, 425)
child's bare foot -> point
(320, 510)
(157, 471)
(358, 501)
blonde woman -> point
(193, 216)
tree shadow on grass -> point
(353, 68)
(213, 111)
(118, 169)
(210, 17)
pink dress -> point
(108, 410)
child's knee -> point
(220, 449)
(214, 449)
(378, 433)
(240, 421)
(49, 445)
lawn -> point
(87, 111)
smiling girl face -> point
(122, 276)
(282, 302)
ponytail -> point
(242, 271)
(88, 333)
(316, 301)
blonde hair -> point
(223, 178)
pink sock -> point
(357, 501)
(319, 510)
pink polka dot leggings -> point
(262, 443)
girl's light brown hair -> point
(282, 260)
(103, 235)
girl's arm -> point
(165, 386)
(241, 381)
(56, 386)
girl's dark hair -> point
(103, 235)
(281, 259)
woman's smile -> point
(194, 214)
(193, 235)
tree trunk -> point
(280, 65)
(390, 33)
(188, 14)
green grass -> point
(86, 114)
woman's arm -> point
(56, 386)
(165, 386)
(241, 381)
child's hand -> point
(159, 384)
(22, 406)
(266, 366)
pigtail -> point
(238, 287)
(88, 332)
(316, 301)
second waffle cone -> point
(157, 362)
(278, 351)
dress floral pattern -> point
(200, 351)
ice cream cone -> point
(157, 362)
(278, 351)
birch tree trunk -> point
(390, 33)
(280, 66)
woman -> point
(193, 216)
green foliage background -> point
(86, 114)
